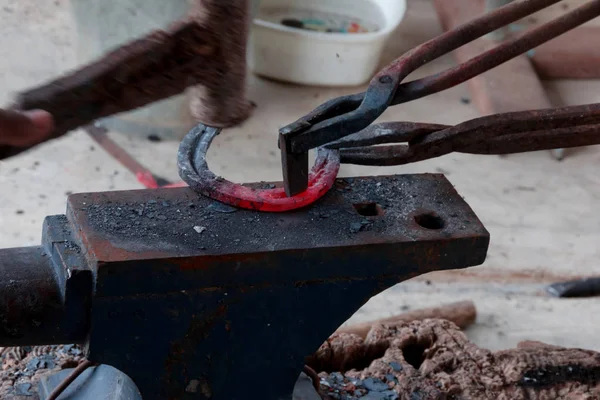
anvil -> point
(196, 300)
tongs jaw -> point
(325, 124)
(347, 115)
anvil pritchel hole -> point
(369, 209)
(430, 221)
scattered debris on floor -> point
(22, 368)
(433, 359)
(587, 287)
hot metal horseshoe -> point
(193, 169)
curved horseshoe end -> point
(194, 171)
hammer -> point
(205, 50)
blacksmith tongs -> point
(330, 124)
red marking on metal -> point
(321, 179)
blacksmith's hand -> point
(24, 129)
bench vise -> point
(193, 299)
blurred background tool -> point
(219, 100)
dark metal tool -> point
(587, 287)
(508, 133)
(344, 116)
(196, 300)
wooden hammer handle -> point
(462, 313)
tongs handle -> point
(505, 133)
(500, 54)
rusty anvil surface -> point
(195, 300)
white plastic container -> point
(321, 58)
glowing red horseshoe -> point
(193, 169)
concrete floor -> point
(541, 213)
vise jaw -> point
(196, 300)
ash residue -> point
(170, 221)
(558, 374)
(22, 367)
(155, 220)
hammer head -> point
(221, 100)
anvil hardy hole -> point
(430, 221)
(369, 209)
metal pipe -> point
(32, 306)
